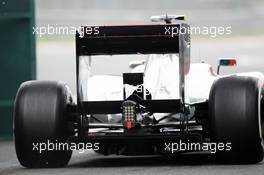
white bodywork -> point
(161, 78)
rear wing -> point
(144, 39)
(135, 39)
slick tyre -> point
(235, 117)
(40, 117)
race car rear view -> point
(149, 115)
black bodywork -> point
(143, 39)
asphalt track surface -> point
(93, 163)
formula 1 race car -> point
(163, 103)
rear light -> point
(129, 124)
(129, 116)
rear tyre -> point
(40, 117)
(234, 115)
